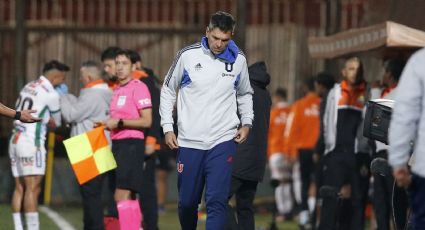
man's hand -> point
(402, 177)
(316, 158)
(171, 140)
(98, 124)
(51, 125)
(242, 134)
(26, 116)
(149, 149)
(111, 124)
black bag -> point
(377, 121)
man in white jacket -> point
(210, 82)
(83, 112)
(407, 126)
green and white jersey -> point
(39, 95)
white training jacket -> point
(408, 118)
(210, 91)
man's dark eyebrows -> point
(217, 38)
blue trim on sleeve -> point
(173, 66)
(236, 84)
(185, 79)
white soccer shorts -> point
(279, 167)
(26, 159)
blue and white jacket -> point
(210, 91)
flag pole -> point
(49, 167)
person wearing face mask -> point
(108, 60)
(210, 82)
(342, 120)
(26, 148)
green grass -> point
(169, 221)
(6, 221)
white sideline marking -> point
(55, 217)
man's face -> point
(124, 67)
(350, 71)
(319, 89)
(84, 78)
(58, 77)
(109, 67)
(218, 40)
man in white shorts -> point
(26, 147)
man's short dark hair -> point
(222, 20)
(135, 57)
(109, 53)
(125, 52)
(281, 92)
(325, 79)
(309, 83)
(395, 66)
(54, 64)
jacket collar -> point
(94, 83)
(228, 55)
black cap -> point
(54, 64)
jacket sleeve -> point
(291, 134)
(244, 93)
(320, 144)
(406, 114)
(75, 110)
(54, 108)
(155, 130)
(169, 93)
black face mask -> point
(113, 78)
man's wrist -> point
(17, 115)
(167, 128)
(120, 124)
(247, 125)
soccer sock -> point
(17, 221)
(31, 218)
(311, 204)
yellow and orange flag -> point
(90, 154)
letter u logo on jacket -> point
(229, 67)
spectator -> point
(148, 194)
(383, 186)
(109, 73)
(280, 169)
(323, 84)
(341, 121)
(91, 106)
(108, 59)
(249, 163)
(301, 133)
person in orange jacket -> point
(278, 162)
(301, 133)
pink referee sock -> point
(129, 214)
